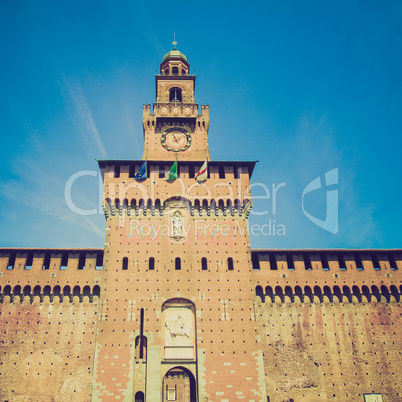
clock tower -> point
(177, 319)
(175, 129)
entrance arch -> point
(179, 385)
(139, 396)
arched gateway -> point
(179, 385)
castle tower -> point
(177, 317)
(175, 128)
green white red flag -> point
(172, 174)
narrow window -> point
(175, 95)
(117, 171)
(131, 172)
(191, 172)
(151, 265)
(221, 172)
(324, 262)
(392, 261)
(204, 264)
(359, 262)
(175, 71)
(236, 171)
(230, 264)
(177, 263)
(99, 261)
(161, 171)
(307, 262)
(46, 261)
(125, 263)
(81, 261)
(64, 261)
(256, 261)
(272, 261)
(375, 261)
(29, 261)
(289, 259)
(341, 262)
(11, 261)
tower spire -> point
(174, 43)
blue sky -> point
(304, 87)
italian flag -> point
(202, 173)
(172, 174)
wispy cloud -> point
(82, 116)
(313, 150)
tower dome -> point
(174, 63)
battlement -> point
(227, 188)
(317, 276)
(27, 273)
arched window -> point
(204, 264)
(139, 397)
(86, 291)
(36, 291)
(27, 290)
(96, 291)
(151, 264)
(308, 292)
(213, 206)
(56, 290)
(175, 70)
(318, 293)
(289, 293)
(125, 263)
(259, 292)
(175, 95)
(299, 293)
(237, 206)
(279, 293)
(177, 263)
(221, 205)
(229, 206)
(46, 290)
(230, 264)
(125, 205)
(76, 291)
(17, 290)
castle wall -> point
(288, 324)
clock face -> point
(176, 139)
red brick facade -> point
(178, 307)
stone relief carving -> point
(179, 332)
